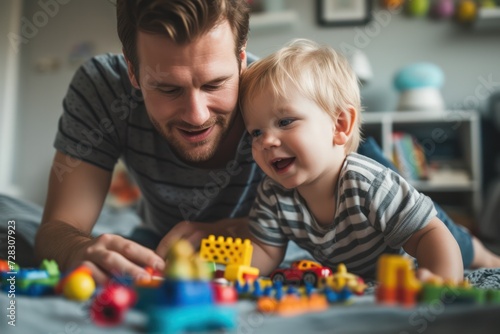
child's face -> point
(293, 139)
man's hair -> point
(317, 71)
(181, 20)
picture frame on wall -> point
(331, 13)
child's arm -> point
(266, 257)
(436, 250)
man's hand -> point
(111, 254)
(194, 232)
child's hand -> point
(425, 275)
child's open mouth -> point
(282, 165)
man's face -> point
(190, 91)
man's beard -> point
(188, 152)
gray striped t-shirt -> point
(376, 212)
(105, 119)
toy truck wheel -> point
(278, 277)
(310, 278)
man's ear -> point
(243, 58)
(344, 125)
(131, 73)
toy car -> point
(343, 279)
(303, 271)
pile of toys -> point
(193, 294)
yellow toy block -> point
(241, 273)
(226, 251)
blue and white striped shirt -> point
(376, 212)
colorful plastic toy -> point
(77, 285)
(303, 271)
(291, 304)
(111, 304)
(397, 281)
(343, 279)
(235, 254)
(188, 303)
(32, 282)
(398, 285)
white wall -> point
(41, 93)
(464, 56)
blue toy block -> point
(171, 320)
(185, 293)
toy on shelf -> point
(442, 9)
(301, 272)
(391, 4)
(419, 86)
(235, 254)
(417, 7)
(466, 11)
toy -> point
(77, 285)
(441, 9)
(417, 7)
(235, 254)
(111, 304)
(303, 271)
(292, 304)
(466, 11)
(30, 281)
(419, 86)
(343, 279)
(188, 303)
(397, 281)
(391, 4)
(398, 285)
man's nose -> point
(197, 112)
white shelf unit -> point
(450, 139)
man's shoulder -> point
(107, 65)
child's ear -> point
(344, 125)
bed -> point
(362, 315)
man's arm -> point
(437, 251)
(77, 191)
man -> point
(169, 109)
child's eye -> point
(285, 122)
(256, 133)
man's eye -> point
(255, 133)
(212, 87)
(171, 91)
(285, 122)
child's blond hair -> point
(317, 71)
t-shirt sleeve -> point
(264, 216)
(88, 128)
(396, 208)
